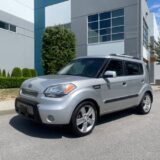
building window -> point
(4, 25)
(7, 26)
(106, 26)
(145, 34)
(12, 28)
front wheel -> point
(146, 104)
(84, 118)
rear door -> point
(135, 80)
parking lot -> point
(120, 136)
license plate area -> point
(25, 108)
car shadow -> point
(34, 129)
(116, 115)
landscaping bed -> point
(8, 94)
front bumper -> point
(23, 111)
(52, 113)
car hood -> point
(41, 83)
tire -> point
(146, 104)
(84, 118)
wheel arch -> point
(150, 93)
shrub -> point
(16, 72)
(33, 72)
(58, 48)
(26, 72)
(11, 82)
(3, 73)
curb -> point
(6, 112)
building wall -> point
(81, 10)
(17, 48)
(39, 27)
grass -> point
(7, 94)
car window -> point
(117, 66)
(133, 68)
(86, 67)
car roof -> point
(115, 56)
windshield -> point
(86, 67)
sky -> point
(154, 6)
(20, 8)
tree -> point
(58, 48)
(156, 49)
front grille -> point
(29, 92)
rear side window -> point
(133, 68)
(117, 66)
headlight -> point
(59, 90)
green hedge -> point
(16, 72)
(11, 82)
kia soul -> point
(86, 89)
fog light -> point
(50, 118)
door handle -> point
(142, 80)
(124, 83)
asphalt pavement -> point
(124, 135)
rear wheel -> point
(84, 118)
(146, 104)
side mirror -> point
(110, 74)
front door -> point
(114, 89)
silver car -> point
(86, 89)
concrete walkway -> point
(7, 107)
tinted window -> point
(12, 28)
(133, 68)
(105, 31)
(93, 26)
(93, 18)
(117, 66)
(118, 21)
(105, 15)
(4, 25)
(86, 67)
(118, 36)
(118, 30)
(93, 40)
(106, 23)
(105, 38)
(118, 13)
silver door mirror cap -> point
(110, 74)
